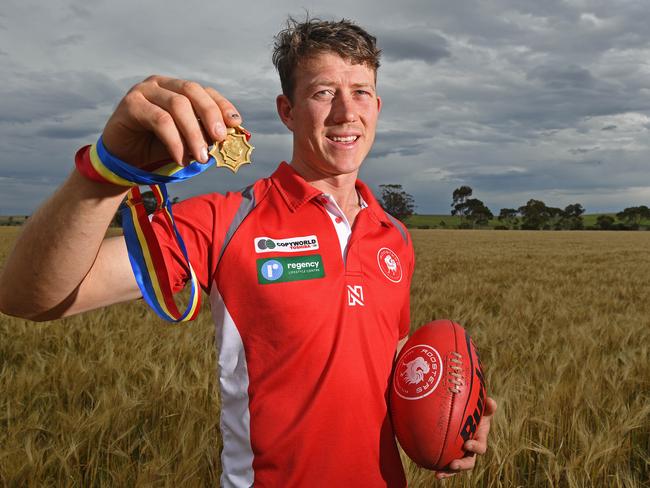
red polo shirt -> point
(305, 337)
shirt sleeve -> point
(405, 317)
(202, 222)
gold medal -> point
(234, 151)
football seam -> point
(449, 419)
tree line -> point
(534, 215)
(473, 213)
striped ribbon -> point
(116, 171)
(147, 259)
(145, 253)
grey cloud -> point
(590, 162)
(68, 40)
(583, 150)
(81, 11)
(260, 116)
(558, 78)
(509, 96)
(398, 143)
(46, 95)
(413, 44)
(548, 176)
(61, 132)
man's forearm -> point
(57, 247)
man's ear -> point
(283, 104)
(378, 104)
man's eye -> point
(324, 94)
(362, 92)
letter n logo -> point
(355, 295)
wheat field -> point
(561, 319)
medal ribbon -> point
(145, 253)
(116, 171)
(147, 259)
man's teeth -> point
(344, 139)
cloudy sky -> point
(517, 99)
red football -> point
(438, 394)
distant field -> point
(429, 221)
(441, 221)
(561, 319)
(12, 219)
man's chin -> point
(345, 168)
(345, 165)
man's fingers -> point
(231, 115)
(486, 422)
(185, 117)
(441, 475)
(473, 447)
(158, 121)
(213, 108)
(468, 462)
(182, 113)
(212, 115)
(490, 407)
(457, 465)
(479, 444)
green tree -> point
(572, 217)
(396, 201)
(605, 222)
(459, 197)
(535, 214)
(477, 212)
(634, 215)
(508, 216)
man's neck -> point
(340, 187)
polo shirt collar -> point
(296, 192)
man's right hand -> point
(61, 264)
(164, 118)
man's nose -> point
(343, 109)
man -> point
(309, 313)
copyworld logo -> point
(289, 244)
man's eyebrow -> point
(323, 82)
(364, 85)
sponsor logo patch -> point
(418, 372)
(389, 264)
(290, 244)
(355, 295)
(281, 270)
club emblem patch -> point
(418, 372)
(389, 264)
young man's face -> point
(333, 115)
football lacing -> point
(455, 372)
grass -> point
(562, 321)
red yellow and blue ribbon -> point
(145, 254)
(147, 259)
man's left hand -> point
(478, 445)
